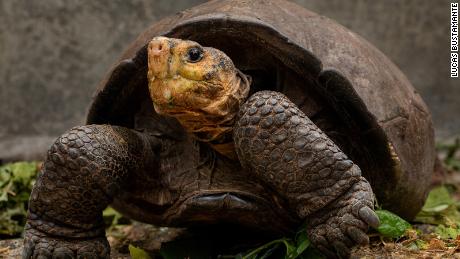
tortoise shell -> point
(347, 87)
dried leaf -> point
(437, 244)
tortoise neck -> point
(219, 117)
(218, 129)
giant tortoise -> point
(255, 113)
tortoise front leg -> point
(292, 155)
(84, 170)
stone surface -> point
(53, 53)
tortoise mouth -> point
(223, 207)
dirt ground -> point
(150, 238)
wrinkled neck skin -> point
(211, 121)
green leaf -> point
(137, 253)
(24, 172)
(438, 199)
(450, 151)
(292, 250)
(446, 232)
(391, 225)
(302, 242)
(439, 208)
(421, 244)
(16, 181)
(268, 252)
(111, 217)
(8, 224)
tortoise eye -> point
(194, 54)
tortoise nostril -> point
(156, 47)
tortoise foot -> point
(343, 224)
(40, 245)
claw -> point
(41, 246)
(320, 240)
(328, 253)
(42, 254)
(358, 235)
(63, 253)
(342, 249)
(28, 250)
(369, 216)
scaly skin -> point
(292, 155)
(85, 168)
(273, 139)
(296, 169)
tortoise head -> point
(198, 85)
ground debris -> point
(378, 249)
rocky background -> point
(54, 52)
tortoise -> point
(256, 113)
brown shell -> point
(379, 110)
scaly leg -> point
(84, 170)
(285, 149)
